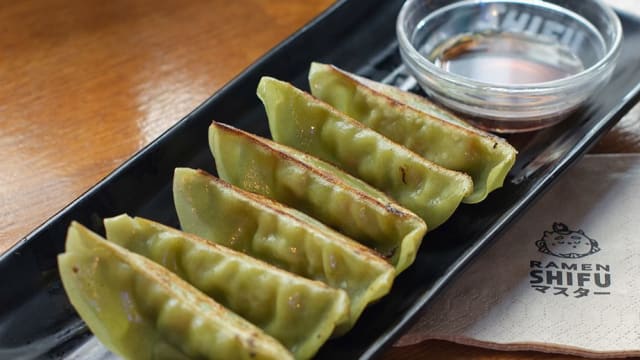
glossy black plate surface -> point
(36, 320)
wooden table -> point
(85, 84)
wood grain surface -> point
(84, 84)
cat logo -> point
(565, 243)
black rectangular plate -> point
(36, 320)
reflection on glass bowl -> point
(509, 65)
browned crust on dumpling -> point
(363, 83)
(390, 207)
(283, 211)
(357, 124)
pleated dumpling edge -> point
(420, 125)
(308, 124)
(318, 189)
(281, 236)
(140, 310)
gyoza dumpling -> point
(419, 125)
(321, 190)
(140, 310)
(299, 120)
(281, 236)
(298, 312)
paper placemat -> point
(564, 279)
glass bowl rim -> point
(552, 86)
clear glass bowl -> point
(497, 94)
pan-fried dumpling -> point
(419, 125)
(299, 120)
(268, 297)
(281, 236)
(140, 310)
(319, 189)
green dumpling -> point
(299, 120)
(320, 190)
(281, 236)
(418, 124)
(140, 310)
(298, 312)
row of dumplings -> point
(297, 236)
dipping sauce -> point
(505, 58)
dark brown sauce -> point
(506, 58)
